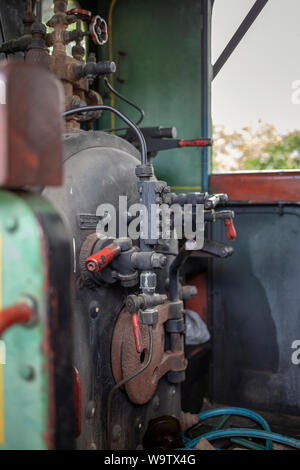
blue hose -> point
(244, 432)
(232, 411)
(240, 432)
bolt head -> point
(27, 372)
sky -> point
(256, 82)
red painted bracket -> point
(15, 315)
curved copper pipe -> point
(17, 314)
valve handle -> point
(98, 30)
(230, 229)
(137, 333)
(100, 260)
(195, 143)
(81, 14)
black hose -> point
(123, 382)
(122, 116)
(123, 98)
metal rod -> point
(238, 35)
(205, 91)
(174, 274)
(29, 6)
(39, 10)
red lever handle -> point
(230, 229)
(137, 332)
(100, 260)
(195, 143)
(17, 314)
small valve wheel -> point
(98, 30)
(83, 15)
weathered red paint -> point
(17, 314)
(137, 333)
(230, 229)
(30, 158)
(199, 303)
(195, 143)
(258, 186)
(77, 390)
(84, 15)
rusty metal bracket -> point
(126, 359)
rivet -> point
(11, 224)
(27, 372)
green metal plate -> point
(162, 73)
(23, 378)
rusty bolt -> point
(27, 372)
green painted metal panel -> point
(24, 377)
(162, 73)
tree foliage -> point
(260, 149)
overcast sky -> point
(256, 82)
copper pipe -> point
(39, 10)
(29, 6)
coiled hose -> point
(218, 433)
